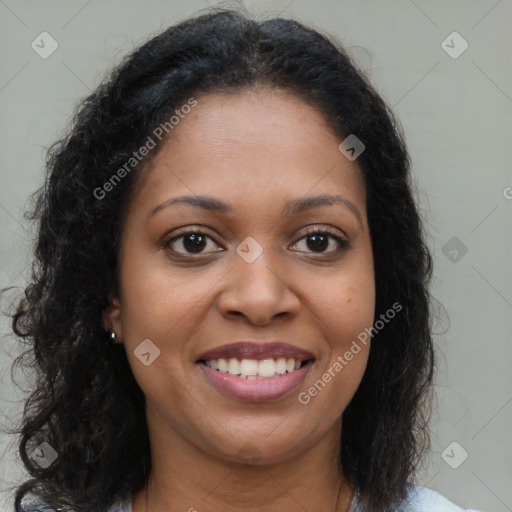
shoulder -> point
(119, 506)
(46, 508)
(124, 507)
(421, 499)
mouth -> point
(253, 369)
(256, 371)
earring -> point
(113, 337)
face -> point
(256, 262)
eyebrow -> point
(292, 207)
(307, 203)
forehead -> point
(255, 142)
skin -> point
(256, 150)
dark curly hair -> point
(86, 401)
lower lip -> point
(256, 390)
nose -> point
(257, 291)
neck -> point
(186, 478)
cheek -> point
(345, 304)
(344, 307)
(156, 296)
(162, 304)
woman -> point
(229, 307)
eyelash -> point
(342, 242)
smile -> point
(252, 369)
(272, 385)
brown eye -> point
(191, 242)
(194, 242)
(320, 240)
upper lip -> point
(256, 350)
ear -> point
(112, 318)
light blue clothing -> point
(419, 499)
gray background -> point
(456, 113)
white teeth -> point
(234, 366)
(223, 365)
(249, 367)
(281, 365)
(252, 369)
(267, 368)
